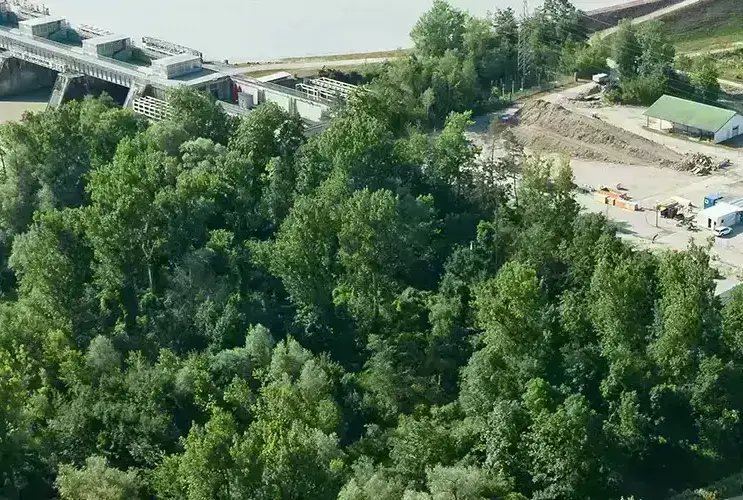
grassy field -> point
(708, 25)
(730, 65)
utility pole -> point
(524, 56)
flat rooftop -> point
(175, 59)
(720, 209)
(197, 75)
(281, 75)
(40, 21)
(98, 40)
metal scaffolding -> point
(326, 88)
(88, 31)
(155, 109)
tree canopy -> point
(218, 308)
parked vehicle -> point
(722, 231)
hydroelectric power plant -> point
(38, 50)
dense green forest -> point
(212, 308)
(462, 63)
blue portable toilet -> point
(711, 199)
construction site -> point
(661, 189)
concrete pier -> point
(68, 86)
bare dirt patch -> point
(549, 127)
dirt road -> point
(734, 46)
(280, 66)
(730, 83)
(653, 15)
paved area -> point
(651, 185)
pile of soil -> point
(548, 127)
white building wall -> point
(306, 108)
(310, 110)
(728, 220)
(252, 91)
(729, 130)
(705, 221)
(94, 47)
(167, 68)
(42, 30)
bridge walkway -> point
(65, 58)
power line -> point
(524, 49)
(639, 51)
(636, 49)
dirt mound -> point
(549, 127)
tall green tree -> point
(626, 49)
(96, 480)
(199, 114)
(705, 80)
(438, 30)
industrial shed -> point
(720, 215)
(695, 119)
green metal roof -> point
(690, 113)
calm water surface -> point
(249, 30)
(12, 108)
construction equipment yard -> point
(612, 147)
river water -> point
(12, 108)
(255, 30)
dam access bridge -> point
(39, 50)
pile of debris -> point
(544, 126)
(591, 97)
(700, 164)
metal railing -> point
(284, 90)
(49, 53)
(152, 108)
(169, 48)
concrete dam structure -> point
(43, 51)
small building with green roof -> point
(695, 119)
